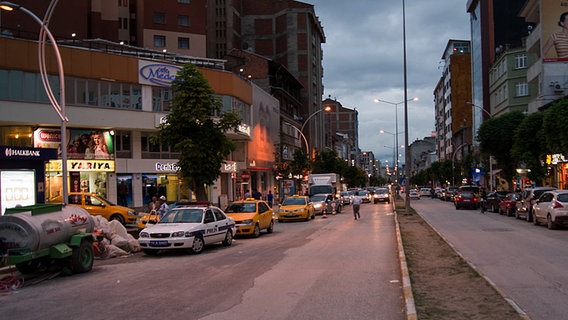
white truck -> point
(324, 183)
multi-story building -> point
(342, 130)
(123, 99)
(508, 84)
(452, 98)
(494, 24)
(421, 153)
(368, 163)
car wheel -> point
(118, 218)
(198, 245)
(229, 238)
(270, 228)
(82, 257)
(256, 232)
(535, 220)
(549, 224)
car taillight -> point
(557, 205)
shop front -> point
(22, 172)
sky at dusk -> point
(363, 61)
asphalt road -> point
(334, 268)
(527, 263)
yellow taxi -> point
(296, 208)
(251, 216)
(96, 205)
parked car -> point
(426, 192)
(325, 202)
(508, 205)
(251, 216)
(190, 228)
(493, 199)
(414, 194)
(97, 205)
(296, 208)
(466, 199)
(527, 201)
(381, 195)
(552, 208)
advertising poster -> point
(17, 188)
(554, 25)
(81, 143)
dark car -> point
(508, 205)
(528, 198)
(466, 199)
(493, 199)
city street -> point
(334, 268)
(526, 262)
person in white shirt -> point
(356, 205)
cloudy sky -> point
(363, 60)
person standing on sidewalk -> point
(356, 205)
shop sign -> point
(555, 158)
(244, 128)
(156, 73)
(22, 153)
(83, 165)
(170, 167)
(229, 167)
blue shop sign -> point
(24, 153)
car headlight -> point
(299, 210)
(131, 213)
(247, 222)
(178, 234)
(144, 234)
(317, 205)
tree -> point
(300, 165)
(530, 144)
(195, 130)
(496, 138)
(328, 161)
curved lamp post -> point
(453, 161)
(480, 107)
(326, 109)
(58, 107)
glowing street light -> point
(326, 109)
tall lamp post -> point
(326, 109)
(395, 104)
(58, 107)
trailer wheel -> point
(82, 258)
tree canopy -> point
(196, 129)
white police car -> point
(192, 226)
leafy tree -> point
(328, 161)
(496, 138)
(530, 144)
(195, 130)
(300, 164)
(554, 125)
(354, 177)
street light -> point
(58, 107)
(395, 104)
(480, 107)
(326, 109)
(454, 159)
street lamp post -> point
(395, 104)
(453, 161)
(58, 107)
(480, 107)
(326, 109)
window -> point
(183, 21)
(159, 41)
(159, 18)
(522, 89)
(183, 1)
(183, 43)
(521, 61)
(123, 144)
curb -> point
(410, 308)
(511, 302)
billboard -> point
(17, 188)
(81, 143)
(554, 25)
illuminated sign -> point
(171, 167)
(17, 188)
(156, 73)
(244, 128)
(228, 167)
(555, 158)
(82, 165)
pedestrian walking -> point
(256, 195)
(247, 194)
(270, 198)
(163, 208)
(356, 205)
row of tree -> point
(514, 140)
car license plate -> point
(158, 243)
(289, 215)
